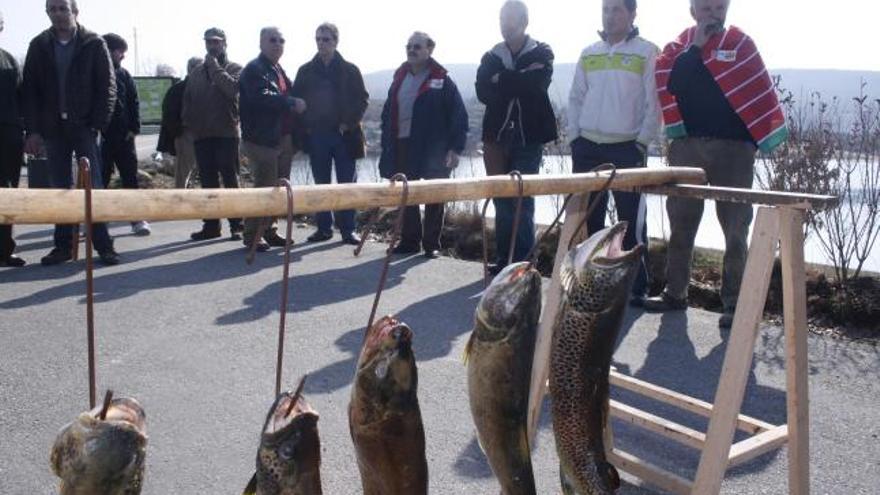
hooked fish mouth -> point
(125, 410)
(385, 333)
(609, 250)
(288, 406)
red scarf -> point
(733, 60)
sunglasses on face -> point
(323, 39)
(280, 41)
(414, 47)
(63, 9)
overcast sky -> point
(789, 33)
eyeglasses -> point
(324, 39)
(414, 47)
(63, 9)
(276, 40)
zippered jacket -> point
(519, 94)
(613, 96)
(210, 100)
(262, 103)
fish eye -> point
(287, 450)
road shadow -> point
(434, 325)
(672, 362)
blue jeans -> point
(631, 207)
(527, 160)
(84, 143)
(325, 149)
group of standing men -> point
(710, 86)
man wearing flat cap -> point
(210, 112)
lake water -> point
(546, 207)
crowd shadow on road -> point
(673, 362)
(434, 325)
(125, 283)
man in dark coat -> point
(69, 93)
(174, 138)
(11, 144)
(336, 100)
(512, 82)
(118, 148)
(424, 130)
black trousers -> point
(119, 153)
(415, 232)
(217, 158)
(11, 161)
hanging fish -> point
(384, 416)
(499, 358)
(289, 457)
(95, 456)
(596, 277)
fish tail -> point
(251, 488)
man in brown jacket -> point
(210, 112)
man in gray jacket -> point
(210, 112)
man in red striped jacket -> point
(719, 107)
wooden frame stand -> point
(774, 226)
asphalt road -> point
(190, 330)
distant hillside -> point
(840, 83)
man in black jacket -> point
(69, 92)
(174, 138)
(11, 144)
(117, 147)
(512, 82)
(334, 92)
(267, 110)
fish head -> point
(290, 449)
(387, 361)
(514, 293)
(103, 455)
(603, 267)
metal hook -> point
(285, 284)
(594, 197)
(85, 173)
(106, 407)
(485, 243)
(395, 237)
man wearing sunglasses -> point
(267, 111)
(69, 92)
(512, 82)
(331, 133)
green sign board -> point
(151, 91)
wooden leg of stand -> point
(740, 350)
(795, 313)
(575, 214)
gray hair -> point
(329, 27)
(517, 6)
(267, 30)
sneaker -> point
(726, 320)
(273, 239)
(56, 256)
(12, 261)
(352, 239)
(235, 231)
(141, 228)
(664, 302)
(320, 236)
(109, 257)
(204, 235)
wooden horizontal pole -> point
(800, 201)
(762, 443)
(646, 471)
(24, 206)
(745, 423)
(669, 429)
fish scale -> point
(595, 288)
